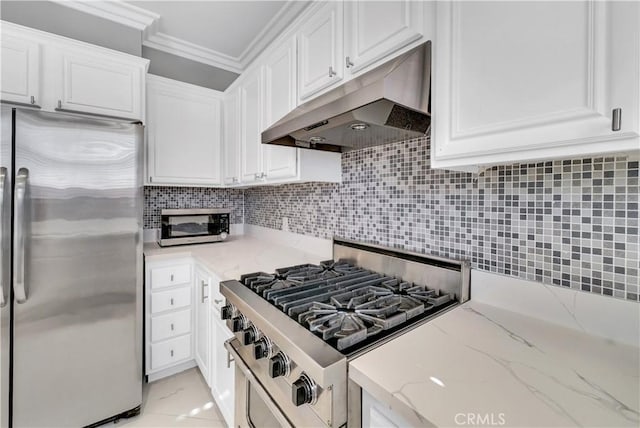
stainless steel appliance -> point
(297, 329)
(387, 104)
(193, 226)
(71, 263)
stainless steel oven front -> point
(263, 401)
(193, 225)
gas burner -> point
(310, 272)
(261, 282)
(420, 292)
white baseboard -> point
(171, 371)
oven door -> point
(254, 407)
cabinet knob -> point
(171, 326)
(172, 352)
(331, 72)
(234, 179)
(348, 63)
(33, 99)
(171, 277)
(204, 296)
(171, 301)
(616, 119)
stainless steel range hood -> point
(387, 104)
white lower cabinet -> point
(203, 323)
(169, 312)
(376, 414)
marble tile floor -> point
(182, 400)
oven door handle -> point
(264, 395)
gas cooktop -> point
(346, 305)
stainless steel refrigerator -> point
(71, 269)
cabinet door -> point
(231, 142)
(375, 29)
(183, 137)
(251, 99)
(223, 372)
(506, 91)
(280, 99)
(203, 324)
(100, 85)
(320, 50)
(20, 71)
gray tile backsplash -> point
(157, 197)
(571, 223)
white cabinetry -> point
(94, 83)
(533, 80)
(251, 99)
(222, 367)
(184, 133)
(203, 323)
(320, 50)
(168, 317)
(280, 98)
(67, 75)
(231, 140)
(375, 29)
(20, 61)
(376, 414)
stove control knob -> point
(304, 391)
(250, 335)
(279, 365)
(226, 312)
(262, 348)
(237, 324)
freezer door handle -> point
(19, 242)
(3, 179)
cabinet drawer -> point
(170, 325)
(172, 299)
(170, 351)
(170, 275)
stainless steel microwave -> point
(193, 226)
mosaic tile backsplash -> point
(572, 223)
(157, 197)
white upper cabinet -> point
(375, 29)
(518, 81)
(251, 102)
(183, 133)
(100, 85)
(231, 139)
(56, 73)
(320, 50)
(280, 98)
(20, 61)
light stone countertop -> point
(478, 358)
(236, 256)
(482, 360)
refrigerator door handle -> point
(19, 245)
(3, 179)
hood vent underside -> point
(385, 105)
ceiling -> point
(223, 34)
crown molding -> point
(114, 10)
(148, 22)
(175, 46)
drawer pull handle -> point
(172, 352)
(331, 72)
(172, 301)
(171, 326)
(217, 301)
(171, 277)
